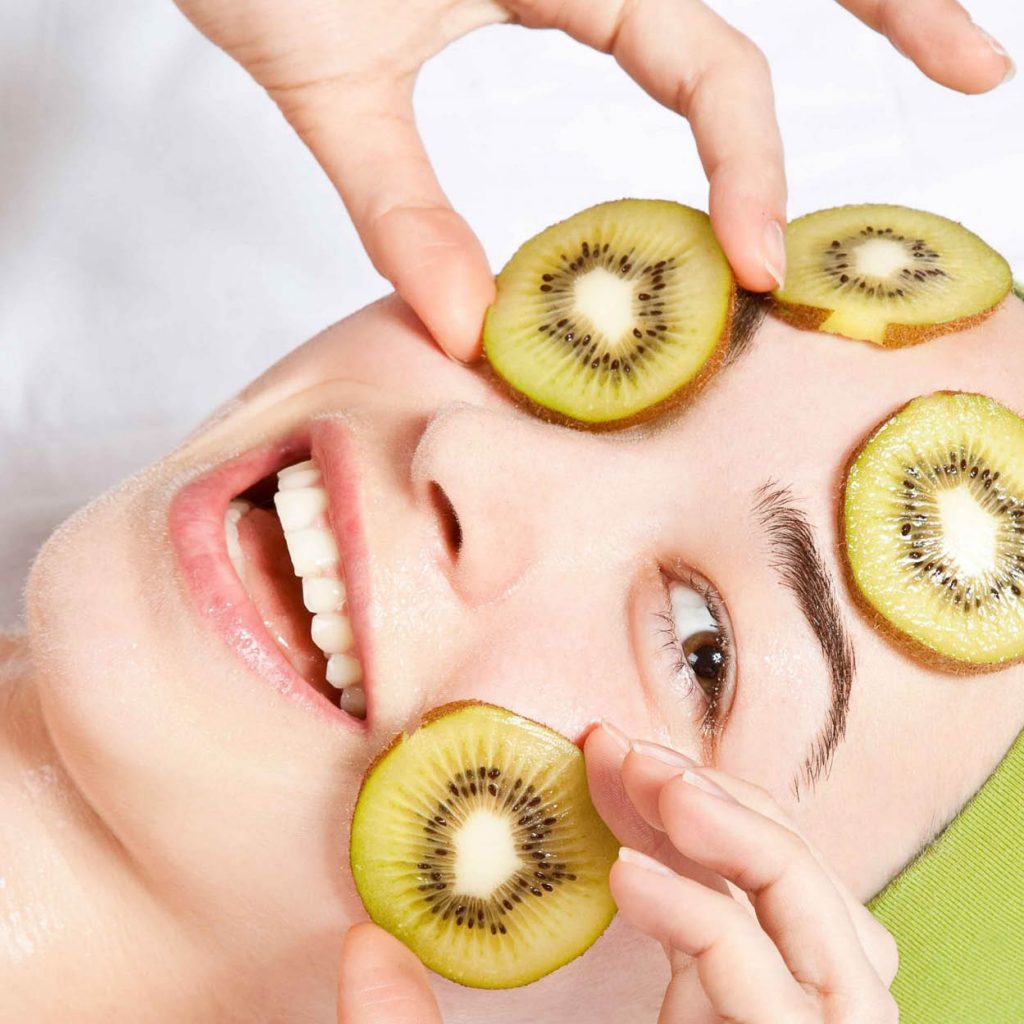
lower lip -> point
(196, 521)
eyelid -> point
(689, 577)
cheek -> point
(384, 347)
(176, 750)
(100, 616)
(79, 610)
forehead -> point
(794, 405)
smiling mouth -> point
(280, 542)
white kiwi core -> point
(485, 855)
(606, 300)
(880, 257)
(971, 534)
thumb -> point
(382, 982)
(364, 136)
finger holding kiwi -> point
(475, 842)
(607, 317)
(932, 519)
(888, 274)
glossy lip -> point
(196, 525)
(333, 449)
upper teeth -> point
(301, 503)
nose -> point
(496, 481)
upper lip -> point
(196, 522)
(333, 449)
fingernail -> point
(621, 739)
(663, 754)
(774, 252)
(453, 357)
(1011, 68)
(991, 40)
(704, 783)
(641, 860)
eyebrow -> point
(801, 569)
(748, 314)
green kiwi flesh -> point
(603, 317)
(475, 842)
(888, 274)
(933, 518)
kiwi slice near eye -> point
(607, 316)
(933, 523)
(474, 841)
(888, 274)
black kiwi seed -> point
(931, 529)
(895, 283)
(569, 272)
(467, 821)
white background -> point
(164, 236)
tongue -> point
(277, 593)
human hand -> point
(343, 71)
(756, 926)
(381, 981)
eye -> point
(695, 627)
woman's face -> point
(231, 782)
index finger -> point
(364, 135)
(692, 61)
(380, 981)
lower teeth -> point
(353, 700)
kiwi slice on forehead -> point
(933, 523)
(888, 274)
(474, 841)
(605, 317)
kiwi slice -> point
(933, 518)
(604, 317)
(474, 841)
(888, 274)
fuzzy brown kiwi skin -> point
(810, 318)
(920, 652)
(686, 392)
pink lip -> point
(196, 522)
(333, 450)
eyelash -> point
(716, 606)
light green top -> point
(957, 912)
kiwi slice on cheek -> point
(474, 841)
(613, 313)
(888, 274)
(933, 524)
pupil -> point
(707, 661)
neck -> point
(71, 907)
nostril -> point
(450, 528)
